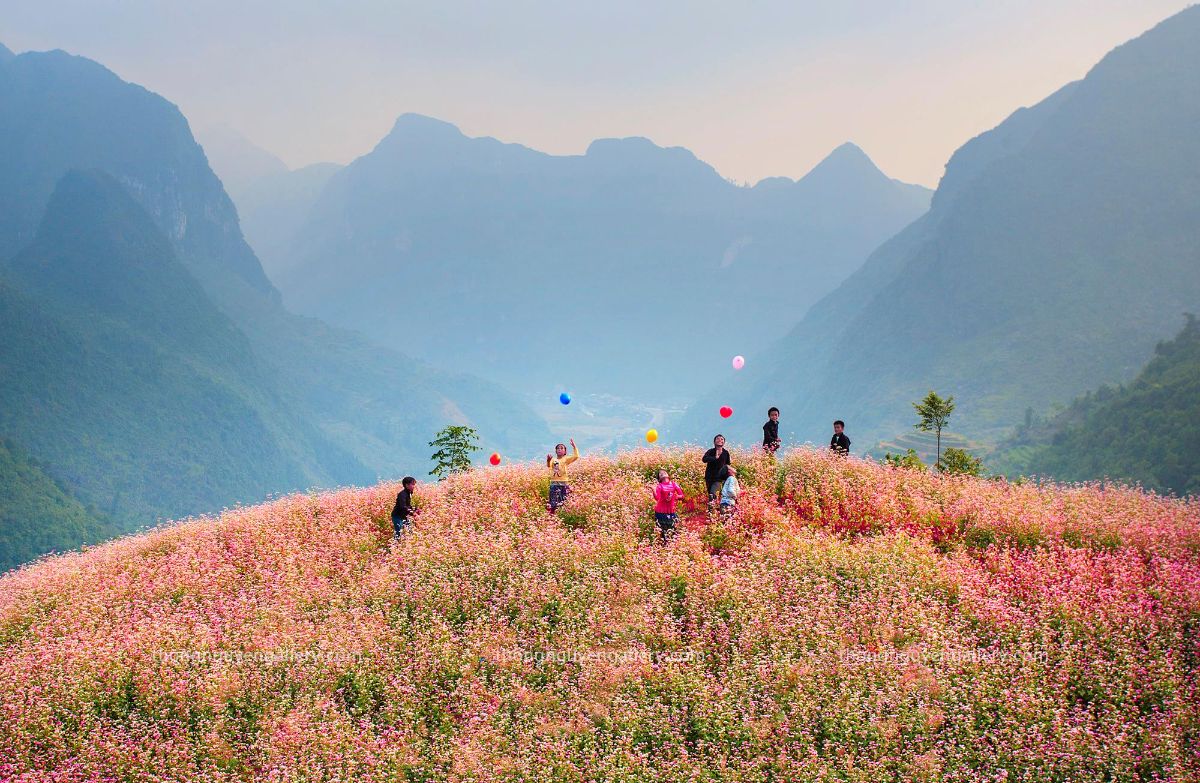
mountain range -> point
(149, 367)
(1060, 247)
(632, 269)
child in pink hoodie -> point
(666, 494)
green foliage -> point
(1147, 431)
(677, 589)
(38, 514)
(573, 520)
(454, 443)
(910, 459)
(934, 411)
(960, 462)
(715, 537)
(362, 692)
(979, 537)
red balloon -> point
(726, 411)
(495, 459)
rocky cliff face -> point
(59, 112)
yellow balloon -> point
(651, 436)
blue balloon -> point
(564, 398)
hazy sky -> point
(754, 88)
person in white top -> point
(729, 492)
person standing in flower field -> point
(716, 464)
(557, 465)
(404, 507)
(666, 494)
(729, 492)
(771, 441)
(839, 444)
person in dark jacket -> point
(404, 507)
(771, 441)
(839, 443)
(716, 462)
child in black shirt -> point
(716, 462)
(771, 440)
(403, 507)
(839, 443)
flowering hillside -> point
(851, 622)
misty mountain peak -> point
(6, 54)
(847, 159)
(238, 161)
(642, 154)
(774, 183)
(846, 164)
(634, 148)
(418, 143)
(419, 127)
(422, 141)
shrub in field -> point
(909, 459)
(960, 462)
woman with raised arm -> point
(557, 465)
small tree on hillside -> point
(961, 462)
(907, 460)
(935, 414)
(454, 444)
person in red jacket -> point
(666, 494)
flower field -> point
(852, 622)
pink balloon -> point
(739, 362)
